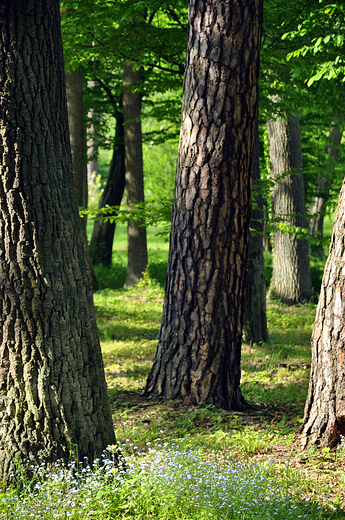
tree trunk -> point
(53, 395)
(198, 355)
(291, 281)
(101, 245)
(254, 314)
(324, 415)
(92, 140)
(75, 106)
(137, 246)
(323, 185)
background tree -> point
(153, 42)
(324, 183)
(198, 355)
(101, 244)
(291, 281)
(134, 176)
(53, 396)
(254, 313)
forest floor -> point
(274, 382)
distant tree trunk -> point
(53, 395)
(291, 281)
(198, 355)
(92, 141)
(137, 246)
(254, 315)
(323, 185)
(266, 237)
(324, 414)
(75, 106)
(101, 245)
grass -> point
(194, 462)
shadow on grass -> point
(136, 333)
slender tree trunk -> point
(53, 395)
(323, 185)
(137, 246)
(291, 281)
(92, 140)
(255, 317)
(101, 245)
(324, 414)
(75, 106)
(198, 355)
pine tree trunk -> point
(198, 355)
(323, 185)
(324, 415)
(254, 315)
(101, 245)
(291, 281)
(53, 395)
(137, 246)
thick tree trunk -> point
(101, 245)
(137, 246)
(254, 314)
(291, 281)
(324, 415)
(198, 355)
(323, 185)
(53, 396)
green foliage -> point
(324, 30)
(102, 36)
(112, 277)
(152, 212)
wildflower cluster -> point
(182, 484)
(166, 482)
(74, 490)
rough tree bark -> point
(137, 246)
(291, 281)
(101, 245)
(324, 415)
(53, 395)
(254, 312)
(323, 185)
(198, 355)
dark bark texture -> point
(101, 245)
(323, 185)
(324, 415)
(198, 355)
(137, 246)
(255, 317)
(53, 395)
(291, 281)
